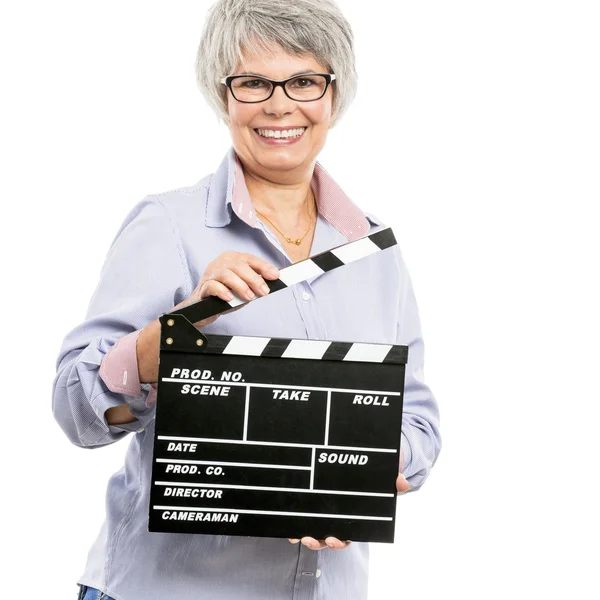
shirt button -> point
(305, 296)
(318, 573)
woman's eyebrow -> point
(306, 71)
(303, 72)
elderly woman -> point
(280, 73)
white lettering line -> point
(279, 386)
(246, 413)
(312, 470)
(327, 418)
(286, 444)
(273, 512)
(230, 464)
(273, 489)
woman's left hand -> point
(333, 543)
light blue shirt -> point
(155, 261)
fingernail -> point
(330, 544)
(250, 294)
(274, 272)
(293, 540)
(264, 288)
(229, 296)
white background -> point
(475, 134)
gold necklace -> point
(288, 239)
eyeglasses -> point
(302, 88)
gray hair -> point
(299, 27)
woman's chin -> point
(279, 159)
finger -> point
(293, 540)
(252, 278)
(335, 544)
(313, 544)
(212, 287)
(235, 283)
(266, 269)
(402, 484)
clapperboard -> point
(275, 437)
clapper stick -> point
(296, 273)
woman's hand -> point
(241, 273)
(236, 270)
(331, 542)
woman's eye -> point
(253, 83)
(303, 82)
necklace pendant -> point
(298, 242)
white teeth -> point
(271, 133)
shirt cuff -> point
(152, 389)
(119, 367)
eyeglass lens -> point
(254, 89)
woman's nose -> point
(279, 103)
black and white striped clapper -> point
(275, 437)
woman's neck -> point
(289, 204)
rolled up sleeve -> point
(420, 440)
(119, 368)
(144, 275)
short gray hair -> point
(315, 27)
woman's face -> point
(276, 161)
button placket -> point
(302, 292)
(306, 570)
(307, 308)
(274, 242)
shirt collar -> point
(227, 193)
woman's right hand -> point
(241, 273)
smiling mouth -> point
(278, 134)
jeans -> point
(90, 593)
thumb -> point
(402, 484)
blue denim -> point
(90, 593)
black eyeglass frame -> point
(329, 77)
